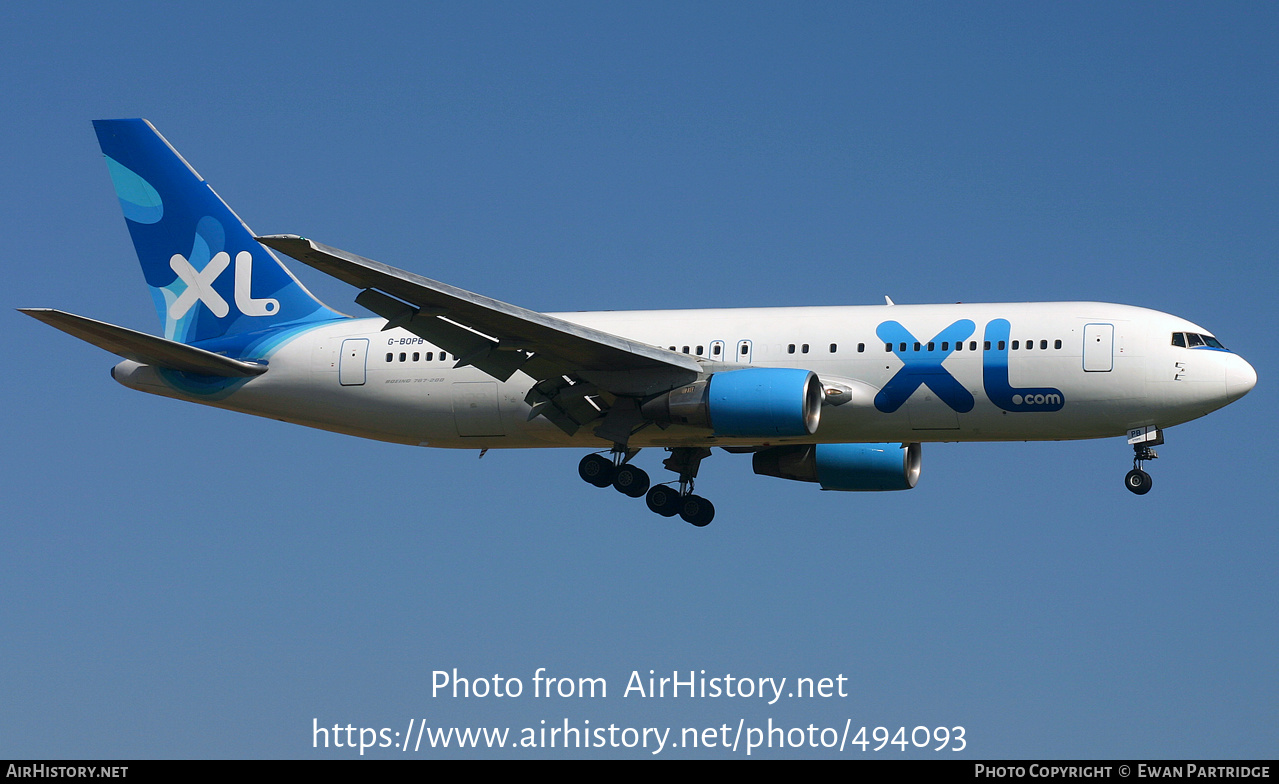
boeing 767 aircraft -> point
(839, 396)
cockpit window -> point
(1194, 340)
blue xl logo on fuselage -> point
(994, 373)
(922, 366)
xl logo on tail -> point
(200, 287)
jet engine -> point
(752, 402)
(850, 467)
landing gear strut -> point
(668, 502)
(614, 468)
(1138, 481)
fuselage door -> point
(355, 352)
(475, 408)
(743, 353)
(1099, 347)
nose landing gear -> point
(1138, 481)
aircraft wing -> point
(144, 348)
(499, 338)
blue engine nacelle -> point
(765, 402)
(849, 467)
(752, 402)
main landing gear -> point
(602, 471)
(1138, 481)
(615, 469)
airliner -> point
(842, 397)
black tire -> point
(629, 480)
(596, 469)
(663, 499)
(1138, 481)
(696, 510)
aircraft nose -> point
(1240, 378)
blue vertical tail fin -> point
(208, 277)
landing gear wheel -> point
(664, 500)
(629, 480)
(1138, 481)
(596, 469)
(696, 510)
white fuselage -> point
(1095, 370)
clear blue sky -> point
(187, 582)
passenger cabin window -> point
(861, 347)
(790, 349)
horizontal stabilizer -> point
(144, 348)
